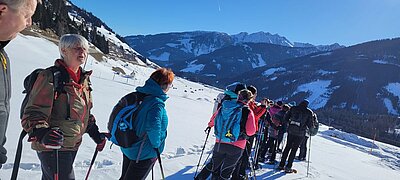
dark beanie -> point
(239, 87)
(252, 89)
(304, 103)
(244, 95)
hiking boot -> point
(288, 170)
(280, 168)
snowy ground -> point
(334, 154)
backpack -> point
(275, 116)
(120, 124)
(60, 77)
(313, 130)
(230, 122)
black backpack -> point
(60, 77)
(122, 117)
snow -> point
(219, 66)
(379, 61)
(334, 154)
(271, 71)
(113, 38)
(323, 72)
(318, 92)
(193, 68)
(187, 45)
(259, 62)
(322, 54)
(162, 57)
(389, 106)
(357, 79)
(394, 88)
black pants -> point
(243, 163)
(136, 170)
(273, 143)
(224, 160)
(293, 143)
(269, 146)
(205, 172)
(303, 148)
(65, 164)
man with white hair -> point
(15, 16)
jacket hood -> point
(152, 88)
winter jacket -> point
(258, 111)
(299, 118)
(250, 129)
(5, 94)
(47, 109)
(151, 123)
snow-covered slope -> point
(334, 154)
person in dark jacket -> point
(58, 121)
(15, 16)
(303, 145)
(299, 119)
(151, 123)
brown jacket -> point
(47, 109)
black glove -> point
(50, 138)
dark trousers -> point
(136, 170)
(273, 143)
(303, 148)
(65, 164)
(264, 146)
(224, 160)
(293, 143)
(269, 146)
(205, 172)
(243, 163)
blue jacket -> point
(151, 122)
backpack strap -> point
(60, 78)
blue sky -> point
(347, 22)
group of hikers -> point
(249, 133)
(56, 113)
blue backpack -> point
(120, 124)
(229, 126)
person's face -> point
(167, 87)
(14, 21)
(75, 56)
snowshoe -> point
(290, 170)
(280, 168)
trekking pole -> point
(309, 151)
(17, 159)
(201, 155)
(91, 163)
(152, 173)
(57, 170)
(159, 160)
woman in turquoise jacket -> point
(151, 123)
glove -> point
(50, 138)
(101, 141)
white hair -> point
(71, 41)
(16, 4)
